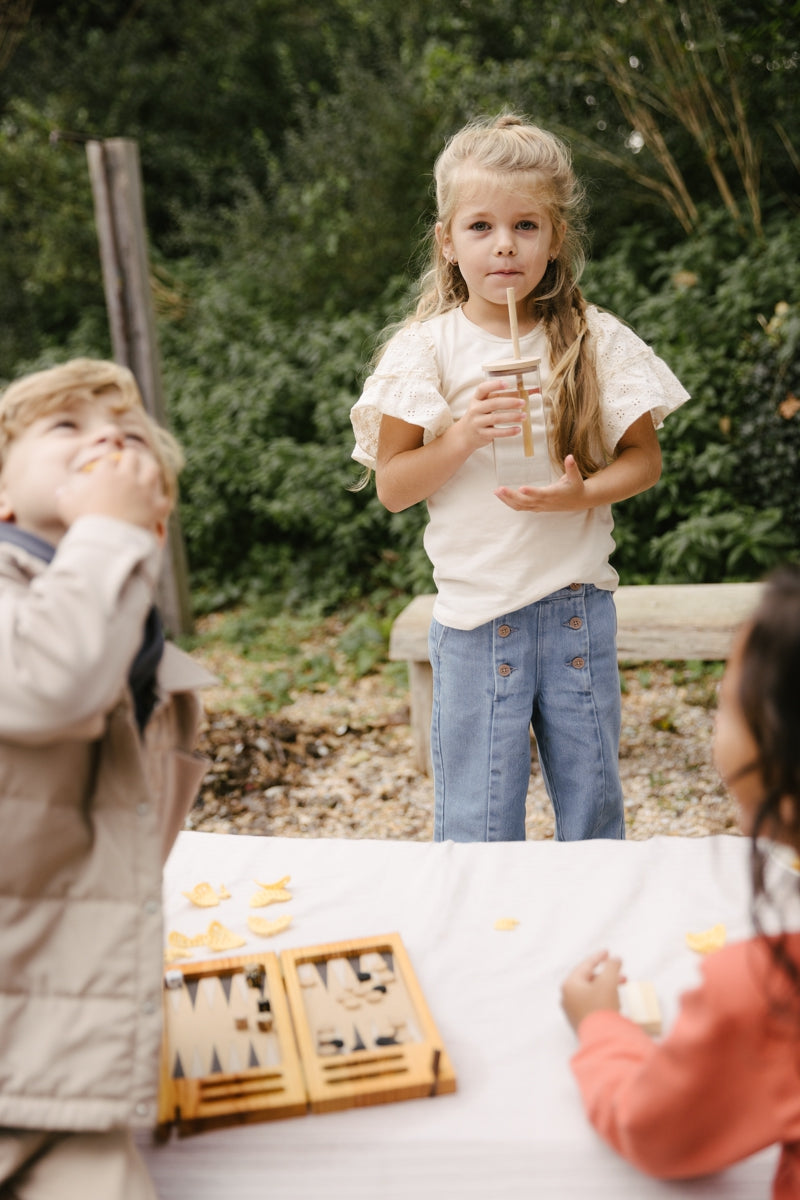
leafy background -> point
(286, 153)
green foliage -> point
(286, 154)
(49, 261)
(726, 506)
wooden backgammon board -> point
(319, 1028)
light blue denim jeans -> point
(553, 666)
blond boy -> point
(98, 719)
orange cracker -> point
(220, 938)
(203, 895)
(707, 941)
(271, 893)
(265, 928)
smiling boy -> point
(98, 720)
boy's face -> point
(55, 448)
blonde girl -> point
(524, 621)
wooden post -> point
(115, 174)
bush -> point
(726, 507)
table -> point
(515, 1128)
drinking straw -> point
(527, 434)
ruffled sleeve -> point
(405, 385)
(633, 379)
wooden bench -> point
(658, 622)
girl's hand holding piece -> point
(592, 987)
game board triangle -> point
(226, 981)
(252, 1060)
(358, 1044)
(177, 1070)
(322, 967)
(191, 987)
(216, 1065)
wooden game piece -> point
(241, 1022)
(639, 1003)
(173, 978)
(256, 976)
(307, 975)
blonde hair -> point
(84, 380)
(530, 160)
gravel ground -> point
(340, 762)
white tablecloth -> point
(515, 1127)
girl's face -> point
(735, 749)
(500, 239)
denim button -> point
(504, 670)
(504, 630)
(579, 662)
(575, 587)
(575, 623)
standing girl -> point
(524, 621)
(725, 1082)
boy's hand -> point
(125, 484)
(592, 987)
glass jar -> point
(522, 458)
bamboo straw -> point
(527, 434)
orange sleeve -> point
(720, 1087)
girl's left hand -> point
(592, 987)
(568, 494)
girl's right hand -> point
(592, 987)
(494, 412)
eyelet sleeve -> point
(405, 385)
(633, 379)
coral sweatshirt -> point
(724, 1083)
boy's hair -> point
(525, 158)
(84, 379)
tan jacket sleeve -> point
(69, 634)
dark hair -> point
(769, 695)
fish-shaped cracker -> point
(203, 895)
(708, 940)
(265, 928)
(271, 893)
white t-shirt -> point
(489, 560)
